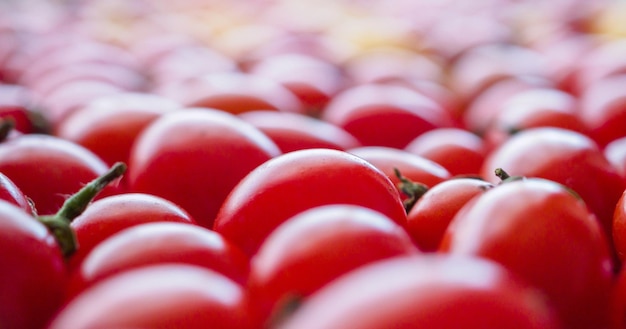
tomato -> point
(385, 114)
(16, 103)
(33, 276)
(40, 165)
(158, 296)
(195, 157)
(108, 126)
(296, 181)
(564, 156)
(156, 243)
(619, 227)
(618, 302)
(460, 151)
(429, 218)
(233, 92)
(296, 131)
(11, 193)
(434, 291)
(529, 226)
(314, 247)
(603, 109)
(615, 152)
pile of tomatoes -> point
(312, 164)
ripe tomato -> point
(296, 181)
(33, 276)
(159, 296)
(157, 243)
(618, 302)
(460, 151)
(112, 214)
(11, 193)
(195, 157)
(603, 109)
(316, 246)
(47, 169)
(296, 131)
(426, 291)
(429, 218)
(615, 152)
(529, 226)
(619, 227)
(385, 114)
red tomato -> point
(460, 151)
(195, 157)
(529, 226)
(16, 102)
(157, 243)
(618, 302)
(385, 114)
(564, 156)
(158, 296)
(603, 109)
(429, 218)
(296, 181)
(619, 227)
(108, 126)
(112, 214)
(11, 193)
(48, 169)
(422, 291)
(33, 275)
(615, 152)
(295, 131)
(316, 246)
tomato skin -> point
(429, 218)
(33, 276)
(318, 245)
(194, 157)
(11, 193)
(603, 109)
(528, 226)
(615, 152)
(434, 291)
(109, 215)
(48, 169)
(618, 302)
(157, 243)
(619, 227)
(158, 296)
(297, 181)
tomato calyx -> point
(286, 306)
(6, 127)
(413, 190)
(59, 223)
(505, 177)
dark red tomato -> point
(458, 150)
(537, 107)
(33, 275)
(429, 218)
(296, 181)
(313, 80)
(195, 157)
(618, 302)
(564, 156)
(603, 109)
(159, 296)
(11, 193)
(529, 226)
(157, 243)
(233, 92)
(316, 246)
(615, 152)
(108, 126)
(48, 169)
(385, 114)
(295, 131)
(619, 227)
(112, 214)
(426, 291)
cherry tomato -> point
(296, 181)
(619, 227)
(33, 276)
(602, 109)
(296, 131)
(618, 302)
(11, 193)
(529, 226)
(434, 291)
(112, 214)
(158, 296)
(385, 114)
(615, 152)
(429, 218)
(564, 156)
(48, 169)
(195, 157)
(316, 246)
(156, 243)
(460, 151)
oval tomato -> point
(11, 193)
(296, 181)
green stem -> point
(59, 223)
(411, 189)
